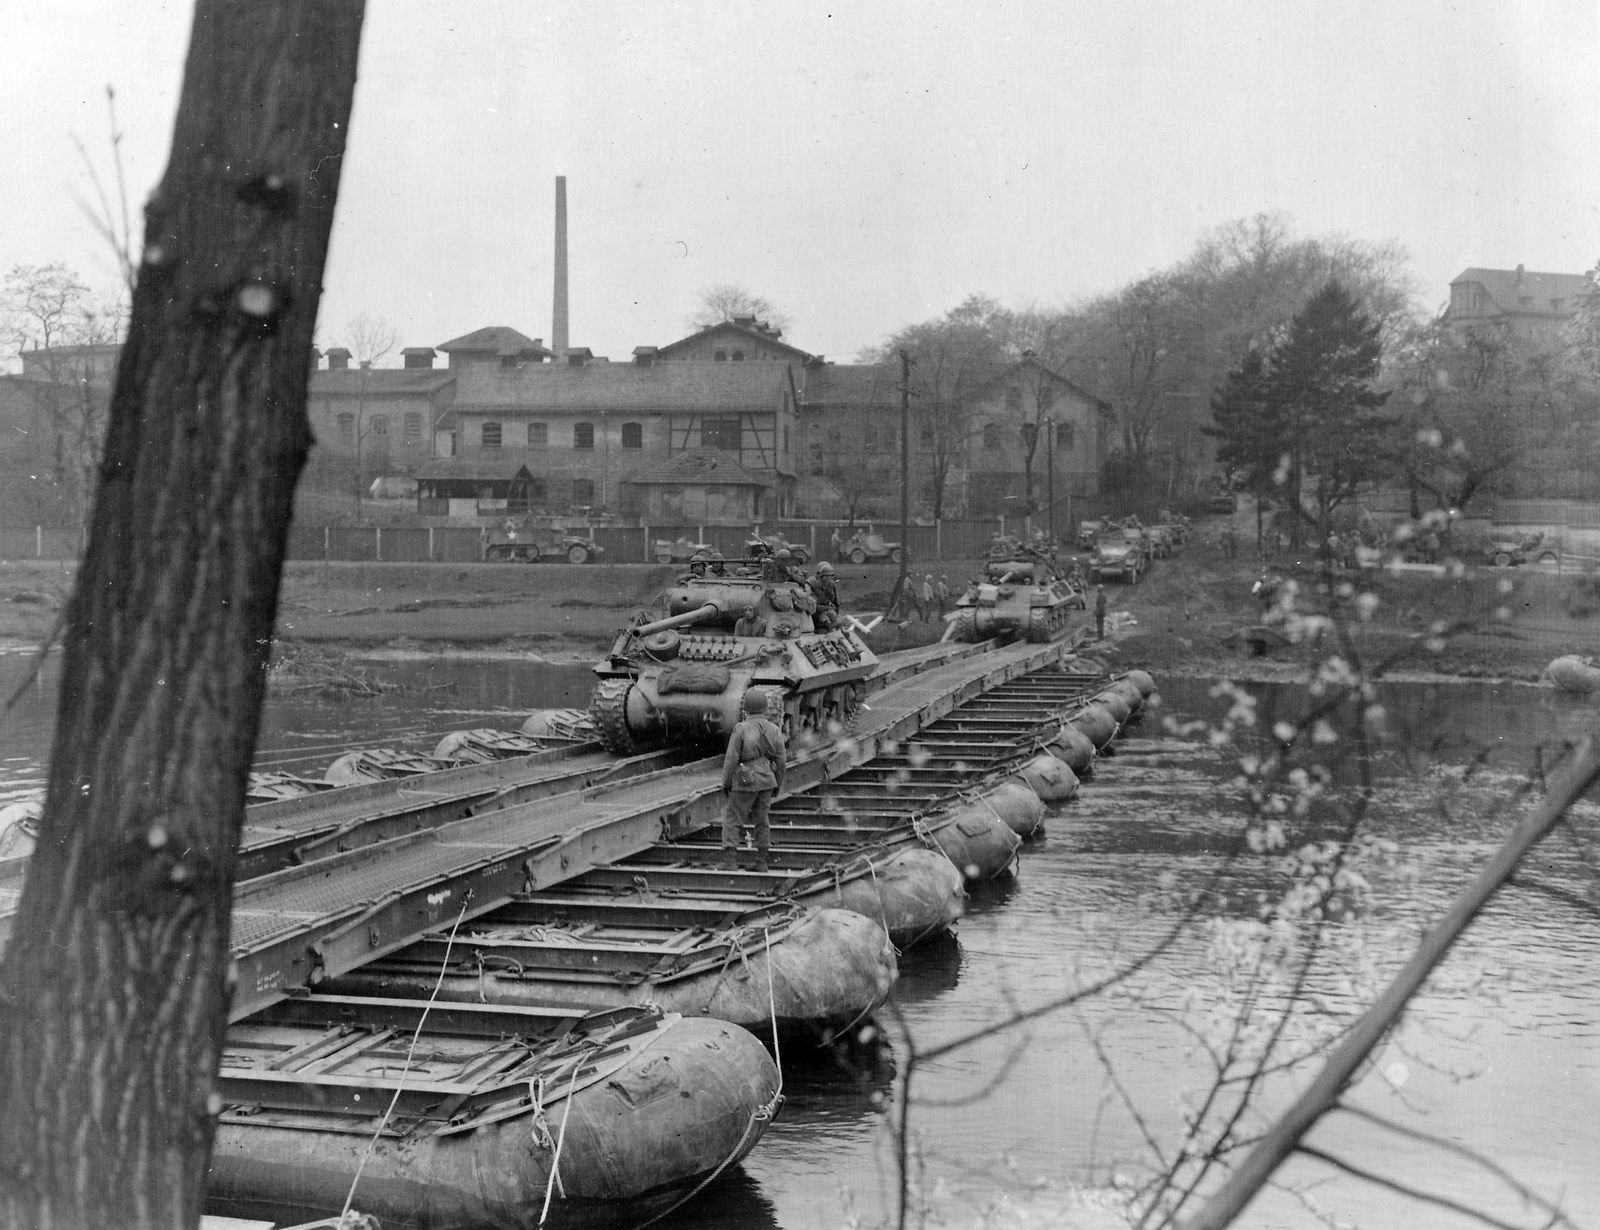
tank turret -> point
(1021, 593)
(680, 676)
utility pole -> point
(905, 475)
(1050, 475)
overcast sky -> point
(863, 166)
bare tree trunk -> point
(114, 990)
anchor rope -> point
(411, 1051)
(761, 1114)
(561, 1139)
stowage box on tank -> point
(681, 678)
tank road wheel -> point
(967, 624)
(608, 710)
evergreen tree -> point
(1335, 435)
(1247, 427)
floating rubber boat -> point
(19, 828)
(271, 787)
(566, 725)
(1575, 674)
(1049, 778)
(498, 1113)
(482, 746)
(814, 973)
(1096, 723)
(1072, 748)
(377, 764)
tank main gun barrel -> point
(695, 616)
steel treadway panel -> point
(294, 926)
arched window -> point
(633, 435)
(991, 435)
(380, 424)
(347, 426)
(413, 427)
(583, 435)
(721, 356)
(491, 435)
(738, 356)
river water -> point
(1498, 1060)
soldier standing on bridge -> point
(752, 772)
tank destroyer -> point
(680, 678)
(1019, 594)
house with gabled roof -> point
(743, 339)
(1522, 306)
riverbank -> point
(1190, 616)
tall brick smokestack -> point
(558, 323)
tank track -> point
(608, 708)
(967, 625)
(1044, 623)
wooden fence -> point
(456, 544)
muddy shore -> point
(1191, 615)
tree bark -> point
(115, 986)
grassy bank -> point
(1179, 618)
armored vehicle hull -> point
(680, 678)
(1016, 597)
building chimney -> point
(338, 359)
(558, 324)
(316, 357)
(418, 356)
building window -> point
(538, 493)
(538, 435)
(347, 426)
(721, 356)
(991, 435)
(722, 431)
(1014, 399)
(633, 435)
(1066, 437)
(583, 435)
(508, 360)
(738, 356)
(413, 422)
(491, 435)
(583, 491)
(380, 424)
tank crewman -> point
(698, 563)
(749, 624)
(717, 566)
(752, 772)
(787, 570)
(1099, 612)
(825, 592)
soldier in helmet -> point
(825, 589)
(752, 773)
(698, 563)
